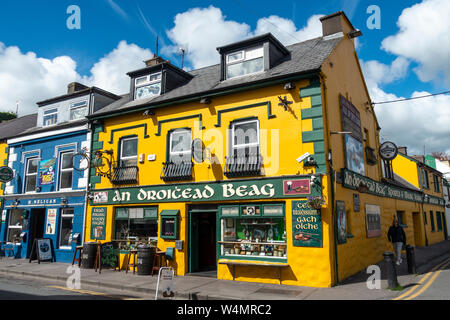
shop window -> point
(65, 171)
(15, 225)
(169, 224)
(253, 231)
(31, 174)
(65, 234)
(136, 224)
(432, 221)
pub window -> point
(140, 224)
(245, 137)
(180, 142)
(65, 235)
(65, 171)
(253, 231)
(169, 224)
(438, 221)
(436, 183)
(15, 225)
(31, 169)
(401, 218)
(128, 151)
(432, 221)
(425, 182)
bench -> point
(234, 263)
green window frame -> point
(169, 217)
(439, 221)
(123, 214)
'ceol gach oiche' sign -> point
(271, 188)
(306, 225)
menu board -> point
(98, 223)
(306, 225)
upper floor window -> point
(245, 137)
(128, 151)
(78, 110)
(436, 183)
(66, 171)
(245, 62)
(147, 86)
(31, 170)
(50, 117)
(425, 182)
(180, 145)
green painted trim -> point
(311, 113)
(266, 103)
(5, 162)
(95, 137)
(95, 179)
(111, 140)
(312, 136)
(98, 145)
(312, 90)
(319, 147)
(99, 128)
(317, 123)
(199, 116)
(176, 222)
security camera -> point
(303, 157)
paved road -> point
(35, 289)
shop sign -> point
(47, 171)
(341, 222)
(306, 225)
(354, 154)
(271, 188)
(98, 223)
(373, 220)
(6, 174)
(51, 221)
(388, 150)
(353, 180)
(42, 201)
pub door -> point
(37, 225)
(203, 242)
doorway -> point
(37, 224)
(203, 243)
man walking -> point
(397, 236)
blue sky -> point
(40, 43)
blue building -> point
(47, 196)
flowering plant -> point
(316, 202)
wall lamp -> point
(149, 112)
(289, 86)
(64, 201)
(16, 203)
(205, 100)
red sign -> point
(296, 187)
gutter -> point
(210, 93)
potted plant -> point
(316, 202)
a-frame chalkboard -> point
(42, 250)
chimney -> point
(402, 150)
(75, 86)
(336, 23)
(154, 61)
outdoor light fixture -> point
(205, 100)
(289, 86)
(315, 181)
(64, 201)
(354, 33)
(16, 203)
(149, 112)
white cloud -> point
(201, 30)
(379, 73)
(27, 78)
(424, 37)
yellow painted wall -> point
(407, 169)
(3, 157)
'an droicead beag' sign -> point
(270, 188)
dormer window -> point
(78, 110)
(245, 62)
(50, 117)
(149, 85)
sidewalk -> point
(206, 288)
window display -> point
(252, 235)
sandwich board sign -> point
(165, 280)
(42, 249)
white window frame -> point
(122, 158)
(246, 145)
(244, 58)
(50, 114)
(177, 153)
(13, 226)
(33, 174)
(146, 83)
(63, 215)
(60, 169)
(74, 107)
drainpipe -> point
(332, 179)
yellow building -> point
(223, 167)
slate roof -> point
(14, 127)
(305, 57)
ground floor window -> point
(253, 230)
(15, 225)
(65, 234)
(136, 224)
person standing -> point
(397, 236)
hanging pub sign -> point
(306, 225)
(47, 171)
(6, 174)
(98, 223)
(388, 150)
